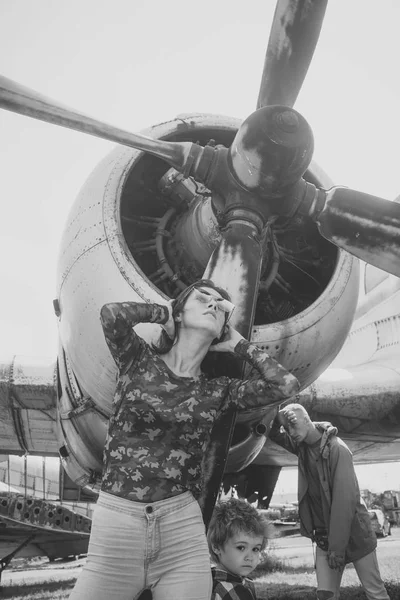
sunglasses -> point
(223, 305)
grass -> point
(301, 591)
(301, 587)
(279, 580)
(52, 590)
(274, 579)
(281, 583)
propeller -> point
(259, 177)
(292, 41)
(25, 101)
(366, 226)
(234, 265)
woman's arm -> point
(272, 382)
(118, 320)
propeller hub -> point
(271, 151)
(287, 121)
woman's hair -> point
(234, 516)
(165, 343)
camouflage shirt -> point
(162, 422)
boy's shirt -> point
(231, 587)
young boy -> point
(236, 537)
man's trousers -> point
(367, 568)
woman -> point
(148, 531)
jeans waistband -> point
(159, 508)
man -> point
(330, 510)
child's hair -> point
(235, 516)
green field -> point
(285, 586)
(276, 580)
(298, 583)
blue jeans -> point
(135, 546)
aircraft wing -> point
(34, 527)
(360, 392)
(28, 406)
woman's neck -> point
(186, 356)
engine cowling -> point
(138, 232)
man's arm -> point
(344, 492)
(278, 435)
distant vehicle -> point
(290, 513)
(391, 502)
(281, 512)
(391, 499)
(273, 514)
(380, 523)
(283, 525)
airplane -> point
(209, 194)
(42, 513)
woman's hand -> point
(169, 326)
(229, 341)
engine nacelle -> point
(110, 251)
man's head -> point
(237, 535)
(297, 423)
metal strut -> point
(5, 561)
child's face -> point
(241, 553)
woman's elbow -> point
(104, 312)
(290, 386)
(107, 317)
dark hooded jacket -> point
(346, 517)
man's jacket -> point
(227, 586)
(346, 518)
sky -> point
(134, 64)
(376, 478)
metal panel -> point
(28, 406)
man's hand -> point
(336, 561)
(286, 416)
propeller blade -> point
(234, 265)
(20, 99)
(364, 225)
(292, 41)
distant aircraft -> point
(32, 520)
(245, 205)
